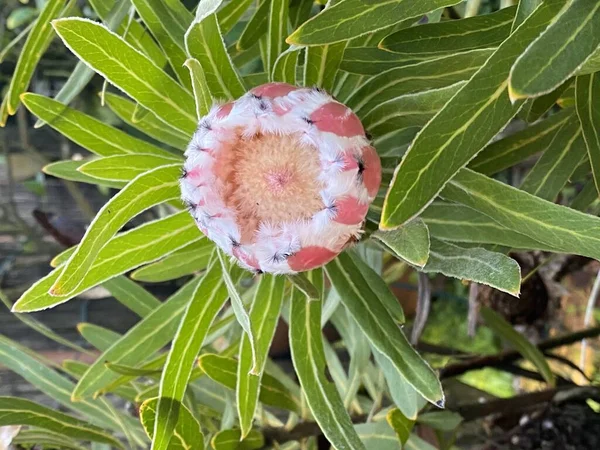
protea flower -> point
(281, 179)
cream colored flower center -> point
(273, 179)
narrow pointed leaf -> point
(151, 188)
(206, 301)
(126, 251)
(19, 411)
(453, 36)
(37, 42)
(277, 31)
(381, 329)
(69, 170)
(264, 317)
(129, 70)
(90, 133)
(203, 42)
(256, 27)
(45, 438)
(59, 388)
(190, 259)
(321, 65)
(224, 370)
(360, 17)
(559, 227)
(587, 92)
(188, 434)
(560, 50)
(373, 60)
(285, 66)
(554, 168)
(231, 13)
(132, 295)
(142, 340)
(457, 223)
(529, 351)
(149, 125)
(232, 440)
(421, 76)
(507, 152)
(475, 264)
(462, 128)
(167, 21)
(124, 168)
(410, 242)
(99, 337)
(309, 360)
(200, 88)
(401, 424)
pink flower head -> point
(281, 179)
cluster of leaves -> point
(435, 96)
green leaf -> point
(421, 76)
(559, 227)
(232, 440)
(123, 168)
(591, 65)
(535, 108)
(380, 288)
(20, 360)
(452, 36)
(554, 168)
(18, 411)
(407, 111)
(37, 42)
(529, 351)
(206, 301)
(135, 33)
(42, 329)
(149, 189)
(441, 420)
(272, 392)
(204, 42)
(401, 424)
(129, 70)
(132, 371)
(410, 242)
(461, 129)
(373, 60)
(188, 434)
(378, 436)
(587, 196)
(322, 63)
(256, 27)
(457, 223)
(99, 337)
(558, 52)
(132, 295)
(186, 261)
(45, 439)
(200, 87)
(264, 316)
(587, 93)
(82, 74)
(167, 21)
(524, 9)
(68, 170)
(85, 130)
(277, 31)
(126, 251)
(308, 356)
(149, 125)
(476, 264)
(231, 13)
(380, 328)
(360, 17)
(18, 38)
(507, 152)
(20, 16)
(148, 336)
(300, 281)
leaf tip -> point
(514, 95)
(292, 39)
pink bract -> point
(281, 179)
